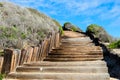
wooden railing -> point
(16, 57)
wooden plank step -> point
(62, 76)
(75, 53)
(77, 39)
(78, 48)
(76, 42)
(73, 59)
(67, 44)
(74, 56)
(79, 63)
(78, 69)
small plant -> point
(115, 44)
(1, 5)
(41, 34)
(2, 76)
(61, 30)
(74, 29)
(8, 32)
(1, 52)
(23, 35)
(93, 28)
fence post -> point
(11, 60)
(34, 56)
(1, 63)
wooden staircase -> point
(76, 59)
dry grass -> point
(31, 25)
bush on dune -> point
(99, 32)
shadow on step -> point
(113, 62)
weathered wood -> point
(39, 52)
(53, 40)
(7, 60)
(29, 54)
(15, 60)
(22, 58)
(44, 53)
(57, 40)
(1, 63)
(34, 56)
(11, 60)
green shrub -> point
(94, 28)
(41, 34)
(23, 35)
(71, 27)
(2, 76)
(1, 52)
(61, 30)
(8, 32)
(98, 32)
(115, 44)
(1, 5)
(74, 28)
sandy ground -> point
(72, 34)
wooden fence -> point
(16, 57)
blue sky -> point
(82, 13)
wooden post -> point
(57, 40)
(22, 58)
(1, 63)
(39, 52)
(34, 56)
(15, 59)
(11, 60)
(29, 54)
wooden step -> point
(61, 76)
(79, 63)
(74, 56)
(67, 44)
(78, 48)
(73, 42)
(64, 69)
(75, 53)
(72, 59)
(78, 39)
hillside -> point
(20, 25)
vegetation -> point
(115, 44)
(93, 28)
(61, 30)
(99, 32)
(74, 28)
(8, 32)
(1, 5)
(1, 52)
(2, 76)
(69, 26)
(23, 25)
